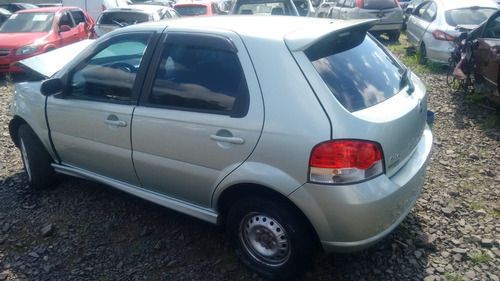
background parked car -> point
(34, 31)
(323, 9)
(388, 12)
(408, 9)
(166, 3)
(95, 7)
(115, 18)
(14, 7)
(197, 8)
(43, 5)
(264, 7)
(4, 15)
(486, 54)
(431, 26)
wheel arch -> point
(236, 192)
(14, 125)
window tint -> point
(28, 22)
(78, 17)
(123, 18)
(472, 15)
(66, 20)
(421, 10)
(430, 12)
(378, 4)
(492, 30)
(360, 77)
(192, 10)
(200, 78)
(110, 74)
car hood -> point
(47, 64)
(16, 40)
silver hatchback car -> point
(294, 133)
(388, 14)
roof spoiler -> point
(330, 38)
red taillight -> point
(103, 8)
(397, 3)
(440, 35)
(345, 161)
(359, 3)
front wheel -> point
(393, 35)
(270, 237)
(36, 159)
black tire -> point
(36, 159)
(393, 35)
(422, 54)
(270, 237)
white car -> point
(295, 133)
(431, 27)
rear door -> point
(199, 118)
(419, 21)
(70, 36)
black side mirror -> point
(51, 87)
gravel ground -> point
(80, 230)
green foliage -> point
(496, 213)
(475, 97)
(476, 205)
(453, 277)
(491, 122)
(480, 258)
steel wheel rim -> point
(265, 239)
(25, 160)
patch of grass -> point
(475, 97)
(9, 82)
(480, 258)
(491, 122)
(496, 213)
(453, 276)
(476, 205)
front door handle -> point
(233, 140)
(118, 123)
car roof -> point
(299, 32)
(194, 3)
(453, 4)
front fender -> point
(28, 106)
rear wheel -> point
(36, 160)
(270, 237)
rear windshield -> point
(191, 10)
(123, 18)
(378, 4)
(28, 22)
(473, 16)
(362, 76)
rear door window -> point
(473, 16)
(359, 77)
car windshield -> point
(28, 22)
(378, 4)
(362, 76)
(191, 10)
(122, 18)
(465, 16)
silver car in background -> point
(294, 133)
(431, 27)
(115, 18)
(387, 12)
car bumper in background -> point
(353, 217)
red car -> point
(34, 31)
(197, 8)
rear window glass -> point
(378, 4)
(123, 18)
(473, 16)
(191, 10)
(362, 76)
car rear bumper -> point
(349, 218)
(440, 53)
